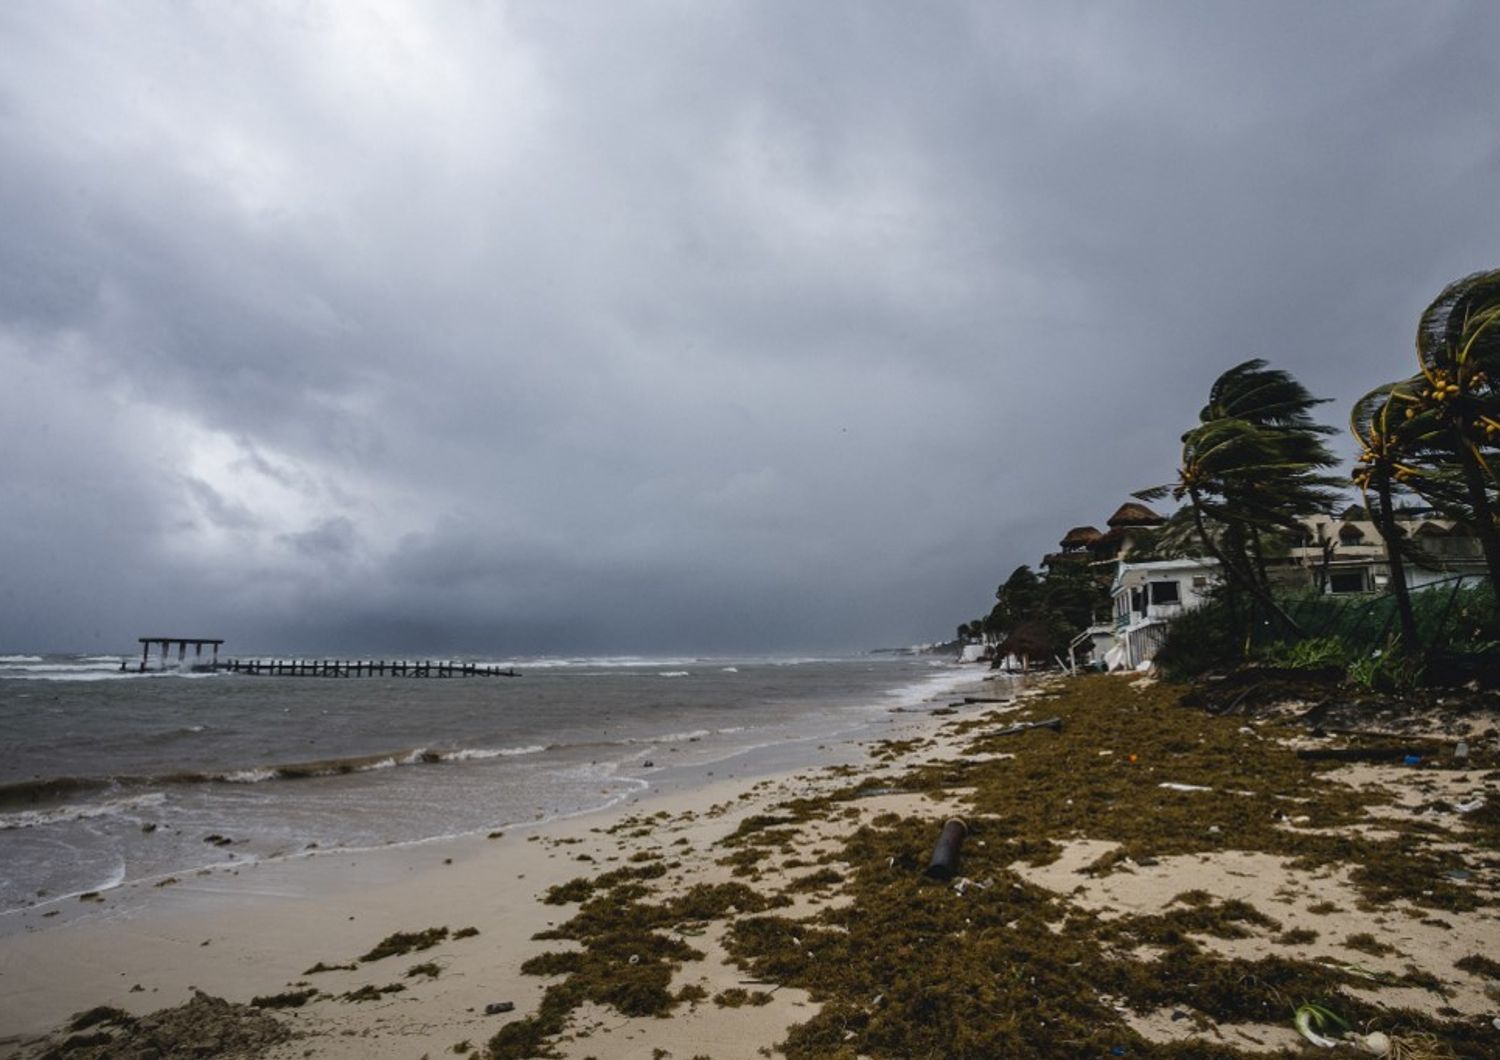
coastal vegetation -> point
(1036, 616)
(1258, 464)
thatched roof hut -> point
(1080, 537)
(1132, 513)
(1028, 640)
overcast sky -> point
(693, 326)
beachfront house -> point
(1148, 595)
(1345, 554)
(1339, 553)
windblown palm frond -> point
(1255, 392)
(1458, 351)
(1460, 331)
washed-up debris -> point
(1355, 754)
(944, 863)
(496, 1008)
(1172, 785)
(1055, 724)
(1470, 806)
(1359, 970)
(963, 883)
(1312, 1018)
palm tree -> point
(1385, 460)
(1250, 468)
(1458, 349)
(1271, 399)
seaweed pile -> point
(997, 965)
(204, 1026)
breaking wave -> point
(81, 812)
(48, 788)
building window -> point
(1165, 593)
(1346, 581)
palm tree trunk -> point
(1484, 516)
(1392, 535)
(1245, 579)
(1260, 557)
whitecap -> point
(80, 811)
(675, 737)
(479, 753)
(250, 776)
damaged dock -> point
(361, 668)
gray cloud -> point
(524, 327)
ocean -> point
(110, 777)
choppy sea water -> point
(107, 777)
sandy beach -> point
(1140, 876)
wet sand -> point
(243, 932)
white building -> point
(1146, 596)
(1345, 554)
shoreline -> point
(456, 779)
(1144, 876)
(282, 915)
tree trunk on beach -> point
(1245, 579)
(1393, 537)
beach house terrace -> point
(1147, 596)
(1345, 554)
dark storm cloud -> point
(524, 327)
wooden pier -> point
(360, 668)
(146, 644)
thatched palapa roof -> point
(1029, 639)
(1080, 537)
(1132, 513)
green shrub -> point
(1201, 640)
(1359, 632)
(1310, 654)
(1386, 670)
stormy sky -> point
(684, 326)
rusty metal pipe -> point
(944, 864)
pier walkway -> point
(360, 668)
